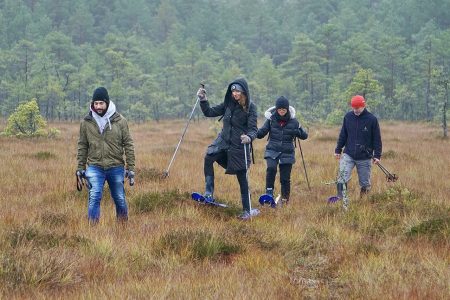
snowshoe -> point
(206, 200)
(333, 199)
(267, 199)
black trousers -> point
(221, 159)
(285, 176)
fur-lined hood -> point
(268, 114)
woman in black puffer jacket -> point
(283, 128)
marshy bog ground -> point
(392, 244)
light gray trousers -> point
(363, 167)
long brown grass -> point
(392, 244)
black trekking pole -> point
(304, 166)
(389, 176)
(166, 172)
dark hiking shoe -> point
(364, 192)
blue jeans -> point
(115, 178)
(363, 167)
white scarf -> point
(102, 121)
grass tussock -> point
(38, 268)
(434, 229)
(44, 155)
(146, 174)
(266, 239)
(390, 154)
(150, 201)
(367, 248)
(52, 219)
(30, 235)
(371, 222)
(196, 245)
(218, 213)
(315, 241)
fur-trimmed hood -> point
(269, 113)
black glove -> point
(81, 173)
(81, 179)
(201, 94)
(130, 176)
(303, 133)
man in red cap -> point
(361, 139)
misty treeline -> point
(152, 55)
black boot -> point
(209, 188)
(285, 191)
(364, 191)
(245, 202)
(285, 199)
(340, 190)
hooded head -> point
(237, 87)
(239, 84)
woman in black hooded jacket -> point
(239, 129)
(283, 128)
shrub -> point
(335, 117)
(395, 200)
(27, 121)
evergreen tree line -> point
(152, 55)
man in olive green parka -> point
(103, 142)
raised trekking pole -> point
(166, 172)
(304, 166)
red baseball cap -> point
(358, 101)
